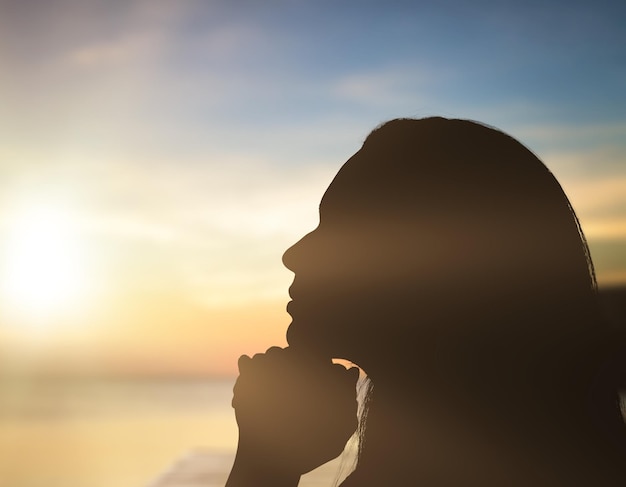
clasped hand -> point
(294, 413)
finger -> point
(274, 350)
(235, 387)
(243, 363)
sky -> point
(158, 157)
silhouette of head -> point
(435, 234)
(450, 266)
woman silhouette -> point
(449, 265)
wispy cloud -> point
(394, 86)
(606, 229)
(594, 180)
(215, 228)
(116, 53)
(569, 133)
(581, 153)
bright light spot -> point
(44, 266)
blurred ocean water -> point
(201, 468)
(123, 433)
(103, 433)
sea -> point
(165, 432)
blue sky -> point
(191, 140)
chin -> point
(302, 335)
(323, 342)
(313, 339)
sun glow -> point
(44, 273)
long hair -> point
(512, 248)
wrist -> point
(253, 468)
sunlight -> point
(44, 265)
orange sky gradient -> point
(159, 157)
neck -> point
(437, 437)
(424, 436)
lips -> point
(292, 290)
(304, 307)
(314, 304)
(293, 304)
(300, 308)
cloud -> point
(580, 151)
(161, 39)
(568, 133)
(606, 229)
(615, 277)
(114, 53)
(215, 229)
(594, 180)
(231, 41)
(387, 86)
(602, 196)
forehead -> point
(378, 187)
(367, 209)
(384, 196)
(361, 185)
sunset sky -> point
(157, 157)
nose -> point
(294, 254)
